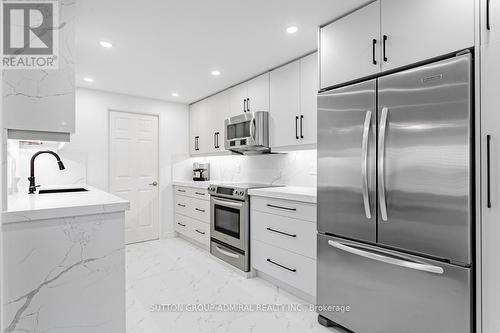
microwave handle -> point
(252, 129)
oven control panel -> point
(228, 192)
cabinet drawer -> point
(183, 225)
(291, 268)
(200, 232)
(199, 209)
(182, 190)
(290, 234)
(295, 209)
(182, 204)
(199, 193)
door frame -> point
(108, 161)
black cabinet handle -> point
(181, 205)
(215, 139)
(488, 27)
(385, 40)
(196, 143)
(182, 225)
(245, 105)
(200, 210)
(488, 171)
(199, 193)
(179, 190)
(281, 232)
(248, 104)
(374, 43)
(280, 207)
(279, 265)
(297, 127)
(301, 126)
(218, 135)
(198, 231)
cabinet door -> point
(308, 98)
(258, 93)
(285, 105)
(218, 112)
(490, 123)
(417, 30)
(199, 137)
(237, 96)
(194, 112)
(347, 47)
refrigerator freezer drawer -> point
(387, 291)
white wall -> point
(92, 111)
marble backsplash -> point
(295, 168)
(46, 171)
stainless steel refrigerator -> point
(395, 201)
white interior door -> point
(133, 171)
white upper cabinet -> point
(350, 46)
(285, 105)
(293, 94)
(389, 34)
(237, 99)
(198, 136)
(418, 30)
(490, 131)
(258, 93)
(309, 86)
(218, 111)
(250, 96)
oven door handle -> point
(252, 129)
(227, 253)
(228, 203)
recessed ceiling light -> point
(174, 94)
(215, 73)
(105, 44)
(88, 79)
(291, 30)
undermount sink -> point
(63, 190)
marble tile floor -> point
(173, 271)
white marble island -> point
(64, 262)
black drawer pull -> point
(182, 225)
(301, 125)
(297, 127)
(181, 205)
(280, 207)
(488, 171)
(199, 193)
(275, 263)
(281, 232)
(179, 190)
(198, 231)
(200, 210)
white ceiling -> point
(165, 46)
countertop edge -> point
(281, 193)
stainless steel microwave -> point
(248, 133)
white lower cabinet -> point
(293, 269)
(192, 213)
(283, 243)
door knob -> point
(155, 183)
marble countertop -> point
(295, 193)
(28, 207)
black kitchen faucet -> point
(31, 178)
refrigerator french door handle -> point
(389, 260)
(381, 164)
(364, 163)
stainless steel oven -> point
(230, 223)
(248, 133)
